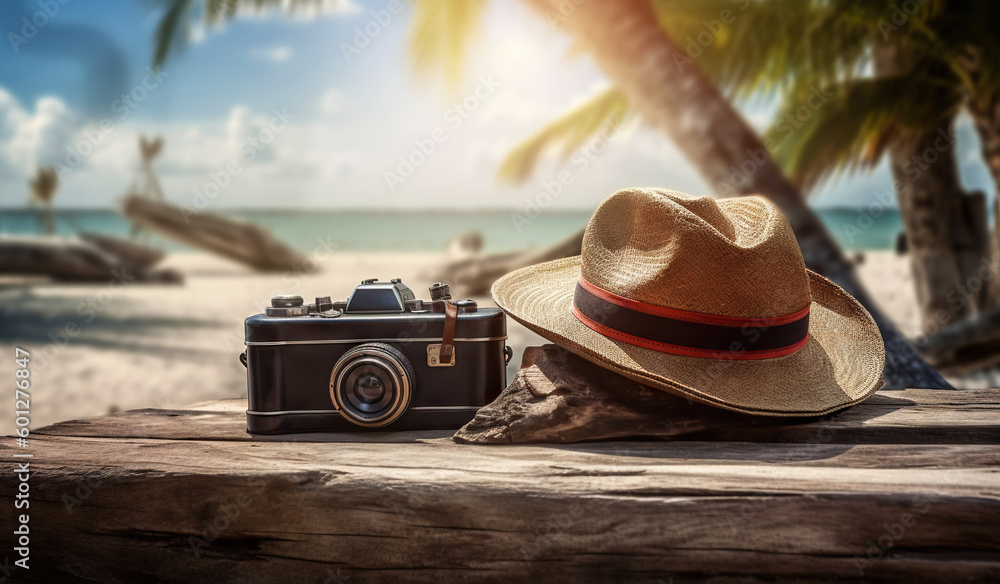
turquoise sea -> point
(426, 230)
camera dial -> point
(286, 300)
(371, 384)
(440, 291)
(286, 305)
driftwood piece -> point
(464, 245)
(965, 346)
(557, 396)
(473, 276)
(73, 259)
(241, 241)
(186, 496)
(129, 250)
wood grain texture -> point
(186, 496)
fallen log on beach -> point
(74, 259)
(240, 241)
(128, 250)
(965, 346)
(473, 276)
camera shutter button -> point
(286, 301)
(466, 305)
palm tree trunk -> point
(946, 231)
(985, 112)
(667, 87)
(48, 219)
(986, 115)
(945, 228)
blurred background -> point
(168, 165)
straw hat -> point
(707, 299)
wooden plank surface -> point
(185, 495)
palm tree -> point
(923, 79)
(627, 41)
(928, 64)
(43, 190)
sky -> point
(272, 110)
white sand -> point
(167, 346)
(887, 277)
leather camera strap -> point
(448, 340)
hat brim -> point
(840, 365)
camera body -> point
(381, 360)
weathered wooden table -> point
(905, 487)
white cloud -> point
(331, 102)
(304, 11)
(32, 138)
(242, 125)
(197, 33)
(278, 54)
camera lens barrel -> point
(371, 384)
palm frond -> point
(768, 46)
(762, 47)
(174, 30)
(848, 127)
(440, 35)
(566, 134)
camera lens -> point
(369, 388)
(371, 384)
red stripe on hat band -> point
(688, 351)
(693, 334)
(689, 316)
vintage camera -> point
(382, 359)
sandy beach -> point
(106, 347)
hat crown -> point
(734, 257)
